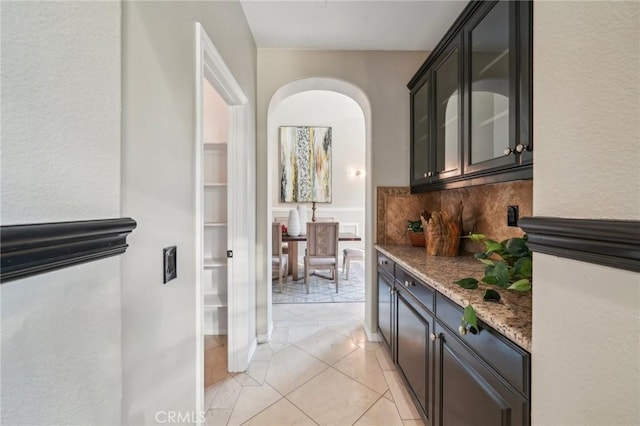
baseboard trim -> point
(265, 338)
(372, 337)
(252, 349)
(612, 243)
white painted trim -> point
(372, 337)
(211, 66)
(345, 225)
(252, 349)
(197, 178)
(264, 338)
(219, 75)
(236, 314)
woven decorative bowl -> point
(417, 239)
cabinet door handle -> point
(383, 262)
(426, 175)
(406, 283)
(520, 148)
(434, 337)
(508, 151)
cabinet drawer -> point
(510, 361)
(386, 264)
(423, 293)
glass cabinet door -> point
(447, 135)
(471, 105)
(420, 139)
(492, 108)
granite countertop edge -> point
(511, 317)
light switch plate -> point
(169, 263)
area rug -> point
(322, 290)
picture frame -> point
(305, 164)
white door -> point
(224, 202)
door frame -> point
(240, 342)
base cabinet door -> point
(414, 353)
(469, 392)
(385, 287)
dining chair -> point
(322, 249)
(324, 219)
(348, 255)
(283, 221)
(278, 258)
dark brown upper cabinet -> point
(421, 133)
(447, 113)
(471, 101)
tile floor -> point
(322, 290)
(318, 369)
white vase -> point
(302, 214)
(293, 224)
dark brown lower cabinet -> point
(413, 348)
(385, 287)
(472, 380)
(468, 391)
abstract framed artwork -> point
(305, 164)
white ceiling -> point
(350, 25)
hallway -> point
(317, 369)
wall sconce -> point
(356, 173)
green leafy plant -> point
(414, 226)
(508, 267)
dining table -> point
(292, 243)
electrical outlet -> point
(169, 263)
(512, 215)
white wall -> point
(159, 339)
(344, 116)
(383, 76)
(586, 318)
(61, 341)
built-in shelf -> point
(215, 224)
(215, 145)
(218, 262)
(214, 301)
(214, 187)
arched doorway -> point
(357, 95)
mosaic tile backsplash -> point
(485, 210)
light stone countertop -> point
(511, 316)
